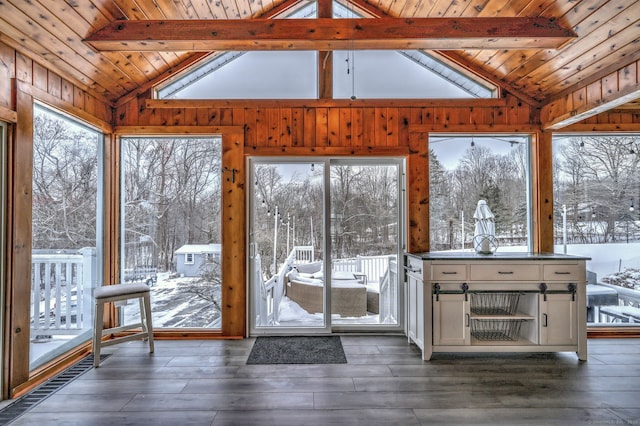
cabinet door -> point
(558, 320)
(451, 320)
(416, 309)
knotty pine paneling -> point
(56, 90)
(321, 126)
(7, 72)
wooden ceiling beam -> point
(331, 34)
(609, 92)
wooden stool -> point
(114, 293)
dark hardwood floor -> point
(384, 383)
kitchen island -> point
(502, 302)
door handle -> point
(544, 320)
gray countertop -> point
(468, 255)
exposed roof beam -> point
(611, 91)
(331, 34)
(589, 110)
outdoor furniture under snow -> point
(629, 314)
(115, 293)
(348, 294)
(597, 296)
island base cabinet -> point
(451, 320)
(558, 319)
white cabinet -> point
(558, 320)
(451, 320)
(518, 303)
(415, 302)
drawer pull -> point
(449, 273)
(415, 271)
(505, 272)
(562, 273)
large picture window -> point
(171, 192)
(597, 214)
(466, 169)
(66, 232)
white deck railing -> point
(389, 294)
(264, 300)
(374, 267)
(61, 292)
(628, 308)
(303, 254)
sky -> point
(450, 149)
(292, 75)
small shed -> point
(191, 257)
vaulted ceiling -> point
(53, 32)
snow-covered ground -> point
(293, 315)
(606, 259)
(174, 303)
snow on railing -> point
(626, 296)
(303, 254)
(374, 267)
(61, 292)
(264, 298)
(389, 293)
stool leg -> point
(98, 323)
(147, 320)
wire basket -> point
(494, 303)
(502, 329)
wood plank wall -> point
(585, 104)
(340, 126)
(53, 88)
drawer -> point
(491, 271)
(563, 272)
(449, 272)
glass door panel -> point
(365, 242)
(286, 247)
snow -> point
(173, 305)
(606, 259)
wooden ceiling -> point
(52, 32)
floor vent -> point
(48, 388)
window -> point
(170, 209)
(466, 169)
(293, 74)
(596, 201)
(401, 74)
(66, 232)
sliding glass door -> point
(287, 247)
(324, 221)
(365, 242)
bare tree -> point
(65, 175)
(171, 195)
(598, 177)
